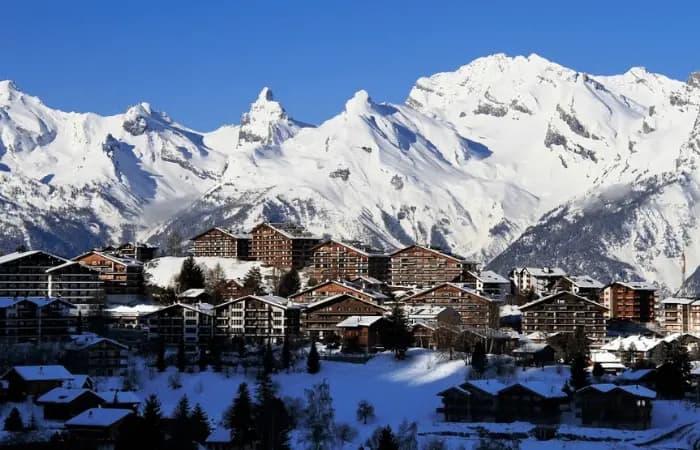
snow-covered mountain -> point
(602, 167)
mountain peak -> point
(359, 102)
(8, 89)
(265, 95)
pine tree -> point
(174, 244)
(387, 440)
(272, 422)
(407, 435)
(268, 361)
(239, 419)
(13, 422)
(216, 284)
(286, 358)
(579, 377)
(181, 356)
(397, 335)
(152, 416)
(199, 424)
(289, 283)
(252, 282)
(160, 359)
(182, 437)
(191, 275)
(365, 411)
(313, 362)
(318, 428)
(479, 360)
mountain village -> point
(558, 354)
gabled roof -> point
(346, 284)
(634, 389)
(432, 250)
(489, 386)
(559, 294)
(350, 246)
(78, 381)
(223, 230)
(338, 296)
(82, 341)
(462, 287)
(678, 301)
(635, 375)
(368, 279)
(19, 255)
(129, 262)
(274, 300)
(122, 397)
(40, 302)
(458, 389)
(545, 272)
(288, 230)
(68, 264)
(489, 276)
(41, 373)
(99, 417)
(139, 309)
(546, 390)
(205, 310)
(584, 281)
(640, 343)
(359, 321)
(636, 285)
(64, 395)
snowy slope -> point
(163, 271)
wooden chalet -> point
(533, 401)
(531, 354)
(194, 295)
(257, 318)
(281, 245)
(120, 400)
(98, 427)
(334, 287)
(34, 380)
(361, 333)
(474, 309)
(633, 300)
(564, 312)
(96, 356)
(581, 285)
(179, 322)
(612, 406)
(121, 276)
(35, 319)
(487, 283)
(335, 260)
(423, 266)
(473, 401)
(221, 243)
(62, 403)
(78, 284)
(320, 319)
(434, 327)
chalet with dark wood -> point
(35, 319)
(221, 243)
(62, 403)
(194, 295)
(434, 327)
(34, 380)
(335, 260)
(531, 354)
(564, 312)
(23, 274)
(487, 283)
(257, 318)
(121, 276)
(473, 401)
(78, 284)
(330, 288)
(361, 333)
(474, 309)
(320, 319)
(632, 300)
(533, 401)
(120, 400)
(96, 356)
(139, 251)
(611, 406)
(581, 285)
(98, 427)
(282, 245)
(423, 266)
(179, 322)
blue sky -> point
(204, 62)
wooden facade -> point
(177, 323)
(319, 319)
(633, 301)
(79, 284)
(474, 309)
(334, 260)
(97, 357)
(23, 274)
(610, 406)
(34, 380)
(361, 333)
(120, 276)
(62, 404)
(33, 319)
(422, 267)
(281, 245)
(331, 288)
(564, 312)
(221, 243)
(264, 318)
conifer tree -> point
(272, 422)
(387, 440)
(191, 275)
(13, 422)
(479, 360)
(313, 361)
(199, 424)
(397, 336)
(252, 282)
(268, 362)
(216, 284)
(598, 370)
(152, 437)
(239, 419)
(286, 357)
(579, 377)
(289, 283)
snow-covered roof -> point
(424, 311)
(273, 300)
(437, 252)
(128, 262)
(78, 381)
(98, 417)
(352, 286)
(129, 397)
(85, 340)
(344, 294)
(640, 343)
(124, 310)
(544, 272)
(42, 373)
(634, 374)
(489, 386)
(546, 390)
(604, 357)
(634, 389)
(678, 301)
(202, 308)
(19, 255)
(529, 347)
(7, 302)
(637, 285)
(353, 246)
(359, 321)
(489, 276)
(192, 293)
(559, 294)
(509, 310)
(461, 286)
(225, 231)
(369, 280)
(68, 264)
(585, 281)
(62, 395)
(289, 230)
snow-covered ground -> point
(162, 271)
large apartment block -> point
(191, 324)
(539, 281)
(35, 319)
(221, 243)
(632, 300)
(564, 312)
(475, 309)
(680, 315)
(121, 276)
(257, 318)
(23, 274)
(335, 260)
(423, 266)
(281, 245)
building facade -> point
(320, 319)
(35, 319)
(564, 312)
(96, 356)
(330, 288)
(422, 267)
(120, 276)
(191, 324)
(488, 283)
(631, 300)
(581, 285)
(281, 245)
(538, 281)
(257, 318)
(474, 309)
(334, 260)
(680, 315)
(81, 285)
(221, 243)
(23, 274)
